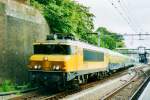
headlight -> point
(36, 67)
(39, 66)
(56, 67)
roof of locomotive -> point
(81, 44)
(74, 43)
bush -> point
(7, 86)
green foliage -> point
(109, 39)
(69, 17)
(7, 86)
(66, 16)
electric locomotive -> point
(61, 62)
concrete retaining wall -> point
(20, 26)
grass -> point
(8, 86)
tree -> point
(109, 39)
(70, 17)
(66, 16)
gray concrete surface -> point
(20, 26)
(146, 93)
(97, 92)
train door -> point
(78, 58)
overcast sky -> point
(108, 16)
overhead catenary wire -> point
(130, 16)
(122, 7)
(123, 10)
(125, 2)
(121, 13)
(140, 30)
(127, 14)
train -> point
(64, 62)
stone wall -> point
(20, 26)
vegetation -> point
(66, 16)
(70, 17)
(8, 86)
(109, 39)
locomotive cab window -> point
(52, 49)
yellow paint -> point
(73, 62)
(117, 59)
(68, 62)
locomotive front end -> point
(48, 64)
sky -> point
(114, 17)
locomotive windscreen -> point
(52, 49)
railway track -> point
(38, 96)
(131, 85)
(141, 88)
(113, 95)
(126, 91)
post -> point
(99, 39)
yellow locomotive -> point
(62, 62)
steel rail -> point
(66, 93)
(115, 91)
(139, 91)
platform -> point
(100, 90)
(146, 93)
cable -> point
(132, 22)
(124, 12)
(131, 17)
(122, 15)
